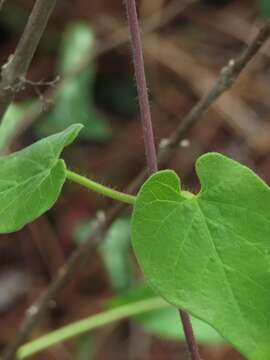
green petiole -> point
(101, 189)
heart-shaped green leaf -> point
(210, 253)
(31, 180)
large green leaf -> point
(210, 253)
(31, 180)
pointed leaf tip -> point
(31, 179)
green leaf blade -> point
(31, 180)
(209, 254)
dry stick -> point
(37, 310)
(14, 71)
(227, 78)
(149, 142)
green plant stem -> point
(101, 189)
(90, 323)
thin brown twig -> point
(231, 109)
(80, 255)
(14, 71)
(229, 74)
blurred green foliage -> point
(117, 94)
(75, 99)
(84, 347)
(165, 323)
(114, 250)
(14, 115)
(264, 7)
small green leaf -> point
(31, 180)
(75, 98)
(210, 253)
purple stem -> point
(190, 338)
(146, 120)
(149, 135)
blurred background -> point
(83, 73)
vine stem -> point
(101, 189)
(190, 338)
(148, 133)
(146, 120)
